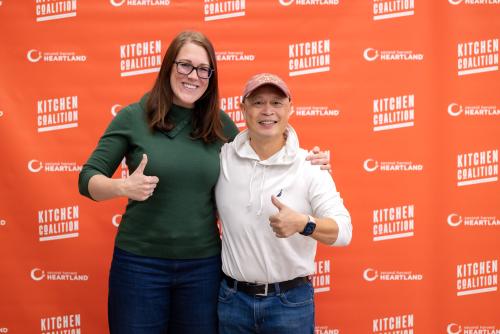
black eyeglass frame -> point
(197, 68)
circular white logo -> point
(452, 109)
(3, 329)
(286, 2)
(453, 221)
(455, 2)
(32, 166)
(37, 274)
(370, 165)
(34, 55)
(116, 220)
(370, 54)
(117, 3)
(370, 275)
(3, 222)
(115, 109)
(1, 113)
(453, 328)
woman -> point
(166, 265)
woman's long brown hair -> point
(207, 124)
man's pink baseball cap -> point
(262, 79)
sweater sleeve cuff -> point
(83, 181)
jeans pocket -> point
(225, 292)
(299, 296)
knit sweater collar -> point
(181, 117)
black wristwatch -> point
(310, 226)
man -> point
(274, 206)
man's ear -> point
(243, 110)
(290, 109)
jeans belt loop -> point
(265, 291)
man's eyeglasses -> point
(204, 72)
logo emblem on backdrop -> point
(389, 9)
(55, 10)
(454, 109)
(115, 109)
(57, 113)
(234, 56)
(477, 56)
(403, 323)
(477, 277)
(477, 167)
(230, 105)
(453, 328)
(321, 279)
(315, 111)
(35, 166)
(124, 172)
(394, 222)
(222, 9)
(58, 223)
(34, 56)
(474, 2)
(326, 330)
(370, 275)
(309, 57)
(315, 3)
(37, 274)
(454, 220)
(67, 323)
(140, 58)
(370, 54)
(370, 165)
(117, 3)
(139, 3)
(116, 220)
(394, 112)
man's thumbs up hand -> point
(286, 222)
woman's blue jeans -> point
(155, 295)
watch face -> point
(309, 229)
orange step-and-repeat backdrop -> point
(404, 94)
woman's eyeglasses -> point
(203, 72)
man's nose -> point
(267, 109)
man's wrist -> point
(309, 227)
(304, 219)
